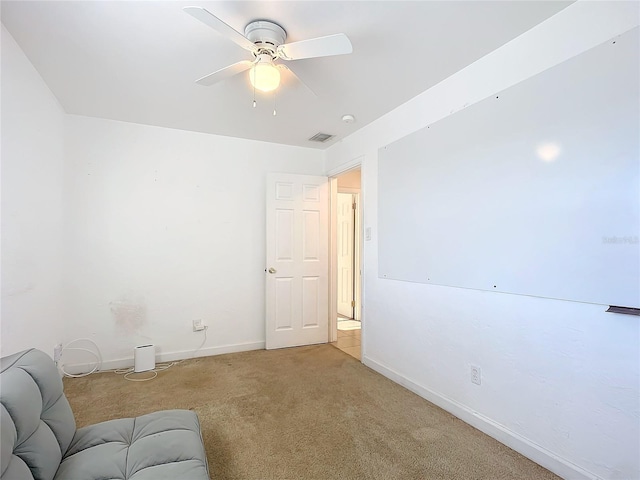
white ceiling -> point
(137, 61)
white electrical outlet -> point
(198, 325)
(367, 234)
(476, 375)
(57, 352)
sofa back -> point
(37, 424)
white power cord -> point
(204, 340)
(128, 371)
(159, 368)
(96, 354)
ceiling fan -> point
(265, 40)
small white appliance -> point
(144, 358)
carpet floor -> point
(305, 413)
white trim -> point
(167, 357)
(333, 259)
(357, 252)
(345, 167)
(549, 460)
(361, 229)
(348, 190)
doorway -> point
(346, 259)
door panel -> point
(284, 240)
(311, 236)
(284, 305)
(310, 294)
(297, 260)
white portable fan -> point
(265, 40)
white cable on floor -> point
(126, 376)
(96, 354)
(128, 371)
(159, 368)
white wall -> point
(168, 226)
(125, 234)
(559, 379)
(33, 236)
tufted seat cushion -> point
(165, 444)
(37, 421)
(39, 439)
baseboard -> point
(520, 444)
(79, 368)
(210, 351)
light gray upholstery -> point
(163, 444)
(40, 440)
(37, 421)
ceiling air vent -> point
(321, 137)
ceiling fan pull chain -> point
(254, 87)
(274, 102)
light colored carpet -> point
(348, 324)
(306, 413)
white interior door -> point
(345, 244)
(297, 288)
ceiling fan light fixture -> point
(264, 75)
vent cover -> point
(321, 137)
(625, 310)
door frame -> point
(333, 245)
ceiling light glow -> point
(264, 75)
(549, 151)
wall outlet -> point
(476, 375)
(198, 326)
(367, 234)
(57, 352)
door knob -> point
(272, 270)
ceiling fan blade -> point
(208, 18)
(338, 44)
(225, 73)
(296, 78)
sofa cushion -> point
(37, 421)
(39, 438)
(160, 445)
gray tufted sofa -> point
(39, 439)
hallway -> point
(348, 338)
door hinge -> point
(353, 205)
(353, 303)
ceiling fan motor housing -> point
(265, 35)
